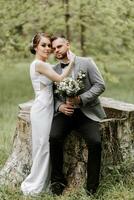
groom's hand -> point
(67, 109)
(74, 100)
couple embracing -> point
(52, 118)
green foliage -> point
(109, 25)
(106, 28)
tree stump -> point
(117, 133)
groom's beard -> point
(61, 56)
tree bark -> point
(117, 133)
(67, 17)
(82, 29)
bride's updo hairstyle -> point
(35, 41)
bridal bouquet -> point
(70, 87)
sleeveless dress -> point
(41, 118)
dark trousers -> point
(62, 125)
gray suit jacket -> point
(94, 86)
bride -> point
(42, 77)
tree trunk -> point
(82, 29)
(117, 133)
(67, 17)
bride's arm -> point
(51, 74)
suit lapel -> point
(76, 68)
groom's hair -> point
(59, 36)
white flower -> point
(69, 86)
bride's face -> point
(43, 49)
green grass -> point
(117, 185)
(15, 88)
(123, 86)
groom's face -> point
(60, 48)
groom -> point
(83, 113)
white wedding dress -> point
(41, 119)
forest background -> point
(101, 29)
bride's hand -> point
(71, 56)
